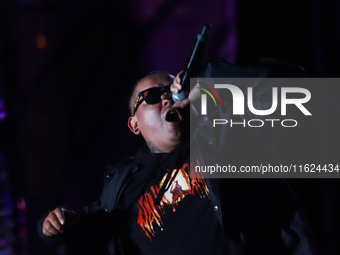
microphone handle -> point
(193, 62)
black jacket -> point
(259, 216)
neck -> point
(155, 149)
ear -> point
(133, 125)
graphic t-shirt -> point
(169, 212)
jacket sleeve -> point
(264, 214)
(95, 229)
(270, 139)
(88, 233)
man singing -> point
(151, 204)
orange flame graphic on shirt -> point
(181, 185)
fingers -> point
(195, 93)
(193, 96)
(53, 223)
(182, 103)
(176, 86)
(59, 212)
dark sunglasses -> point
(150, 96)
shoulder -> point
(120, 168)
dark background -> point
(66, 70)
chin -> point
(180, 137)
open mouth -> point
(172, 116)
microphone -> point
(193, 62)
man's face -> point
(162, 126)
